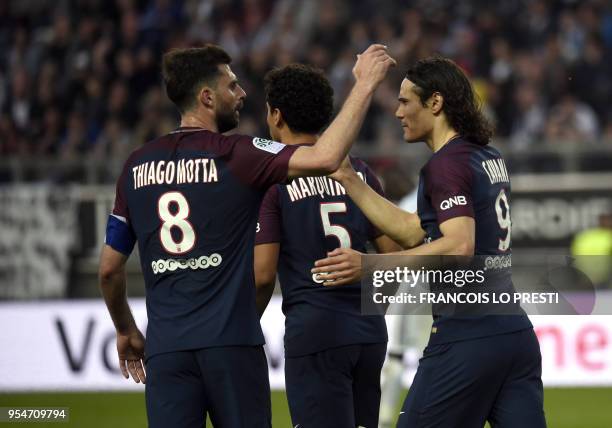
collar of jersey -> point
(188, 129)
(453, 140)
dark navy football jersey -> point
(466, 179)
(191, 200)
(309, 217)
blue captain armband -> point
(119, 235)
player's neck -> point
(291, 138)
(193, 121)
(440, 136)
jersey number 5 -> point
(177, 218)
(503, 219)
(336, 230)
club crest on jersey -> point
(452, 201)
(268, 145)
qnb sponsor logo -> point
(452, 201)
(202, 262)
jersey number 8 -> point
(178, 220)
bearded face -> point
(227, 114)
(229, 97)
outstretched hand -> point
(130, 348)
(341, 266)
(372, 65)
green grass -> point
(565, 408)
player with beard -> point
(191, 199)
(475, 368)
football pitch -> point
(565, 408)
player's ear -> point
(277, 117)
(436, 102)
(206, 97)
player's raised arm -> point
(401, 226)
(327, 154)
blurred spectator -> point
(530, 117)
(50, 134)
(571, 36)
(573, 121)
(19, 100)
(591, 76)
(82, 76)
(114, 141)
(74, 141)
(155, 121)
(121, 103)
(10, 143)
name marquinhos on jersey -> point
(496, 170)
(183, 171)
(304, 187)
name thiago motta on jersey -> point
(183, 171)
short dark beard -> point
(226, 119)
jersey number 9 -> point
(503, 219)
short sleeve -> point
(119, 232)
(449, 187)
(373, 181)
(120, 209)
(269, 223)
(258, 162)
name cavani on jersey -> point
(496, 170)
(179, 172)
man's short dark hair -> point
(461, 106)
(303, 95)
(186, 70)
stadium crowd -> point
(81, 77)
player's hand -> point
(342, 266)
(130, 348)
(346, 170)
(372, 66)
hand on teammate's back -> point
(372, 65)
(341, 266)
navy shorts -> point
(463, 384)
(230, 384)
(335, 388)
